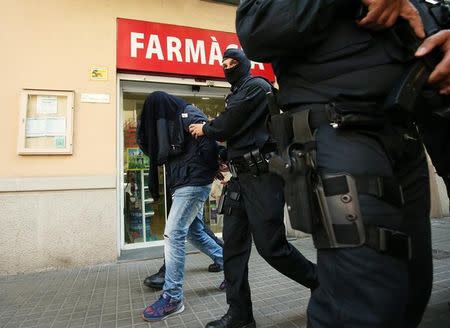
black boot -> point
(156, 280)
(231, 321)
(215, 267)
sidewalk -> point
(113, 295)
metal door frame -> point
(137, 83)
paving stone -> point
(112, 296)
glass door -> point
(143, 217)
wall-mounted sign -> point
(95, 98)
(173, 49)
(99, 73)
(47, 105)
(46, 122)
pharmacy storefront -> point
(182, 61)
(75, 76)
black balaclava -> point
(242, 69)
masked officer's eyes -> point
(229, 63)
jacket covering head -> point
(241, 70)
(163, 136)
(160, 132)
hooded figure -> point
(241, 70)
(190, 167)
(160, 132)
(162, 135)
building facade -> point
(75, 76)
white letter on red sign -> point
(154, 47)
(215, 53)
(195, 52)
(135, 45)
(173, 47)
(260, 65)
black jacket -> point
(320, 55)
(318, 52)
(243, 123)
(162, 135)
(197, 164)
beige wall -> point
(61, 211)
(51, 44)
(54, 230)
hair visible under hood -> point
(160, 132)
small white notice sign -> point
(103, 98)
(36, 127)
(43, 127)
(47, 105)
(56, 126)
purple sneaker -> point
(223, 285)
(162, 308)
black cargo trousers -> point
(360, 287)
(260, 215)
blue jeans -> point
(186, 220)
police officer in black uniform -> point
(370, 220)
(254, 199)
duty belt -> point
(342, 115)
(254, 162)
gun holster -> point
(340, 213)
(229, 199)
(327, 205)
(342, 224)
(220, 209)
(299, 190)
(295, 165)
